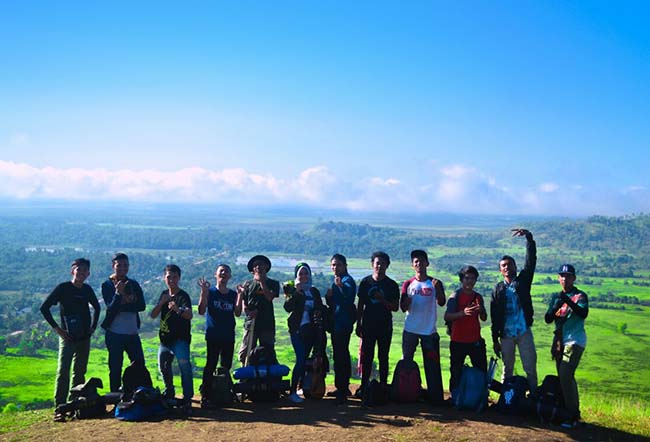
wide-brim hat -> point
(259, 258)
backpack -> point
(220, 391)
(407, 383)
(513, 398)
(134, 376)
(261, 355)
(147, 402)
(313, 385)
(85, 402)
(549, 401)
(472, 390)
(374, 394)
(267, 389)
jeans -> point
(302, 342)
(527, 353)
(342, 361)
(458, 351)
(215, 350)
(181, 350)
(117, 344)
(368, 342)
(70, 352)
(566, 370)
(431, 356)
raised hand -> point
(203, 283)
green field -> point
(614, 365)
(613, 376)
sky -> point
(473, 107)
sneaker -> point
(59, 417)
(569, 424)
(206, 404)
(293, 397)
(335, 393)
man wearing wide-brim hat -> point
(258, 294)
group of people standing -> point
(366, 310)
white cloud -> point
(548, 187)
(452, 188)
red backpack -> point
(407, 383)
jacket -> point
(521, 284)
(113, 301)
(295, 306)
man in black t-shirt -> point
(378, 298)
(75, 329)
(175, 310)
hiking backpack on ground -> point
(85, 402)
(374, 394)
(513, 399)
(220, 391)
(407, 383)
(263, 385)
(472, 390)
(549, 402)
(134, 376)
(146, 403)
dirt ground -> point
(318, 420)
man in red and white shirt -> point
(420, 297)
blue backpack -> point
(147, 403)
(472, 391)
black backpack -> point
(221, 388)
(513, 399)
(374, 394)
(134, 376)
(85, 402)
(549, 402)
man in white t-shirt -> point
(420, 297)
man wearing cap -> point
(512, 312)
(258, 294)
(568, 309)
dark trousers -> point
(117, 344)
(431, 358)
(216, 349)
(458, 351)
(342, 362)
(368, 354)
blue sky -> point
(517, 107)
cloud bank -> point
(454, 188)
